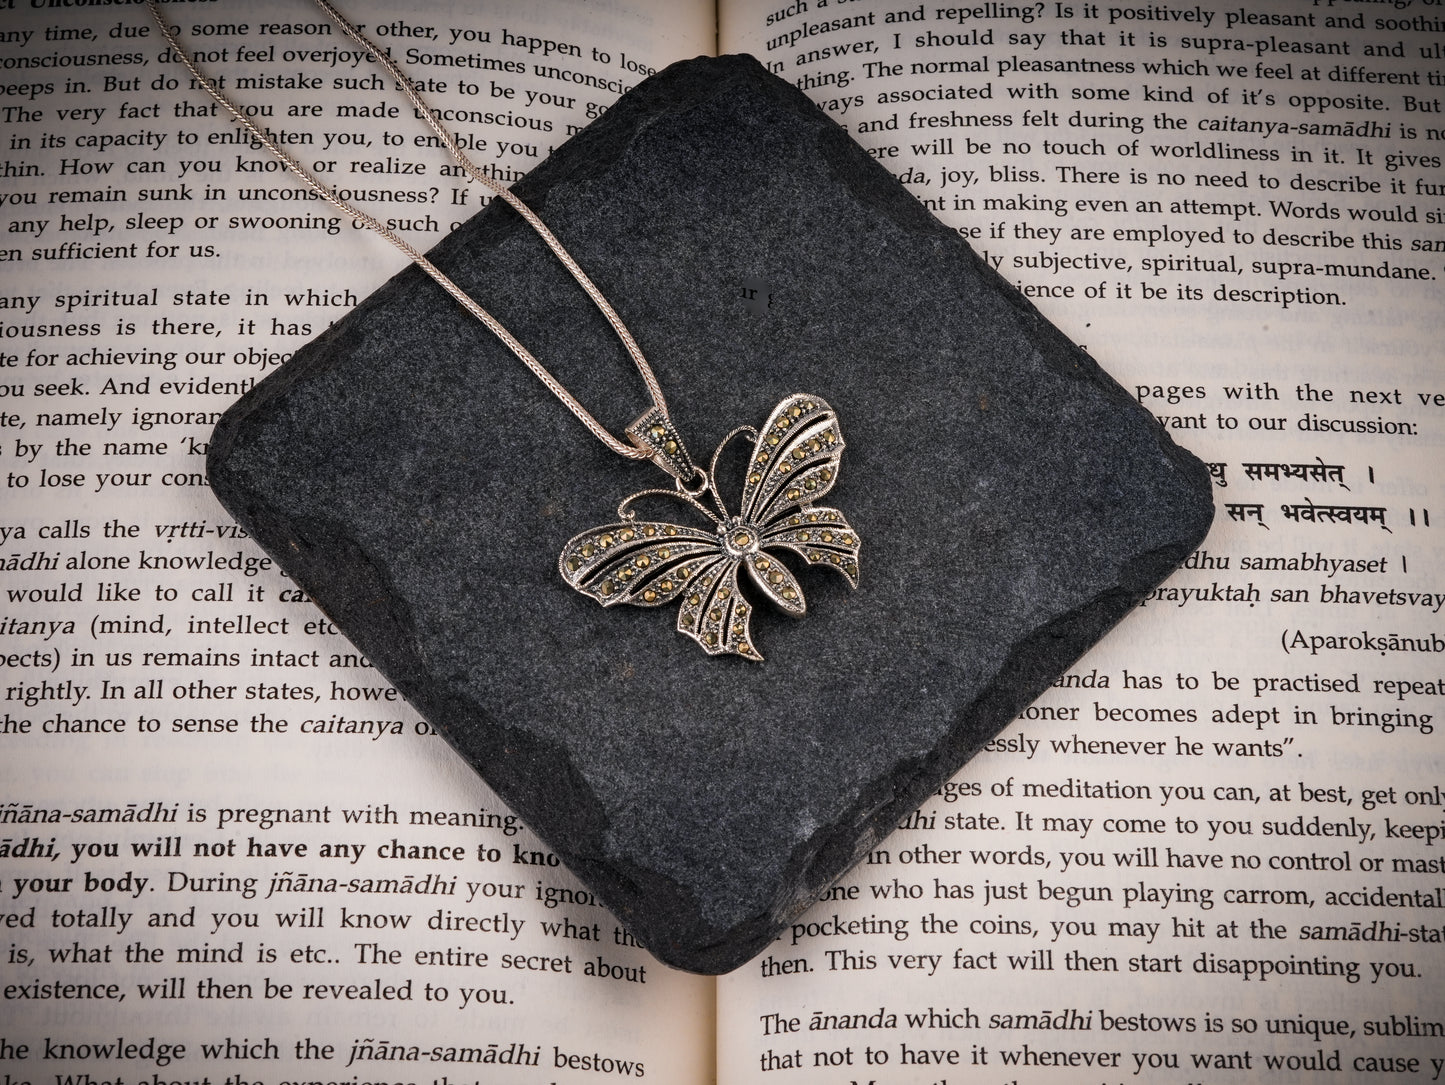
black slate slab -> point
(1012, 500)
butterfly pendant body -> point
(649, 563)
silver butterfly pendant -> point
(645, 563)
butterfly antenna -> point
(626, 513)
(712, 467)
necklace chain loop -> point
(629, 451)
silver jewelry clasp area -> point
(654, 433)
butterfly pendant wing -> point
(794, 460)
(649, 564)
(646, 564)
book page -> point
(1212, 852)
(228, 849)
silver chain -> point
(631, 452)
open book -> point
(229, 851)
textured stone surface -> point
(1013, 502)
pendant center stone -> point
(738, 537)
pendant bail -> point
(654, 433)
